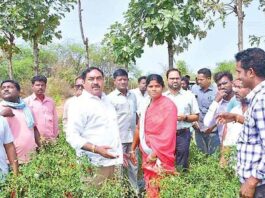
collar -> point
(85, 93)
(118, 93)
(181, 92)
(34, 97)
(211, 87)
(254, 91)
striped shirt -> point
(251, 142)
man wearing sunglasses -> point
(78, 88)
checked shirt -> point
(251, 142)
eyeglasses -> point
(79, 86)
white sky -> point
(219, 45)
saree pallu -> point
(158, 125)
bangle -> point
(93, 148)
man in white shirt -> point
(7, 149)
(224, 81)
(140, 92)
(93, 126)
(188, 112)
(125, 104)
(78, 88)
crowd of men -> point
(224, 114)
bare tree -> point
(85, 39)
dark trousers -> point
(183, 148)
(260, 191)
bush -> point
(54, 172)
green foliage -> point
(55, 172)
(225, 66)
(182, 67)
(204, 179)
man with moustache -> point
(23, 129)
(125, 105)
(250, 69)
(206, 138)
(224, 82)
(140, 92)
(43, 109)
(93, 129)
(188, 112)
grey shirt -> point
(125, 107)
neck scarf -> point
(26, 110)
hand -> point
(103, 151)
(226, 117)
(7, 112)
(247, 189)
(210, 129)
(220, 95)
(181, 117)
(133, 157)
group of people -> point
(113, 131)
(24, 123)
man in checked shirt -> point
(250, 69)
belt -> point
(182, 130)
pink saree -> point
(158, 135)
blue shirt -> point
(205, 99)
(251, 142)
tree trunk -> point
(10, 67)
(240, 18)
(85, 39)
(36, 56)
(170, 54)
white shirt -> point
(186, 104)
(140, 98)
(233, 128)
(214, 109)
(66, 107)
(94, 120)
(5, 138)
(125, 107)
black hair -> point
(222, 74)
(206, 72)
(141, 78)
(186, 80)
(40, 78)
(252, 58)
(120, 72)
(173, 69)
(13, 82)
(88, 70)
(155, 77)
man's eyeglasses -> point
(79, 86)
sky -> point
(219, 45)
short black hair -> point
(120, 72)
(206, 72)
(171, 70)
(13, 82)
(40, 78)
(252, 58)
(89, 69)
(186, 80)
(141, 78)
(155, 77)
(222, 74)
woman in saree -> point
(156, 136)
